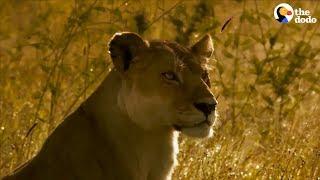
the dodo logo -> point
(283, 13)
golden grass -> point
(54, 53)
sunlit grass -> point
(266, 76)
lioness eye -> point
(170, 76)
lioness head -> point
(165, 85)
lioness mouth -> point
(179, 127)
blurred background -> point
(53, 54)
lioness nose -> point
(206, 108)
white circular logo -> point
(283, 13)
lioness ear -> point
(204, 47)
(124, 47)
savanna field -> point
(266, 76)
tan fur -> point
(127, 128)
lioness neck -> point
(144, 154)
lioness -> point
(126, 129)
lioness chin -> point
(127, 128)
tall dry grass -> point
(266, 76)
